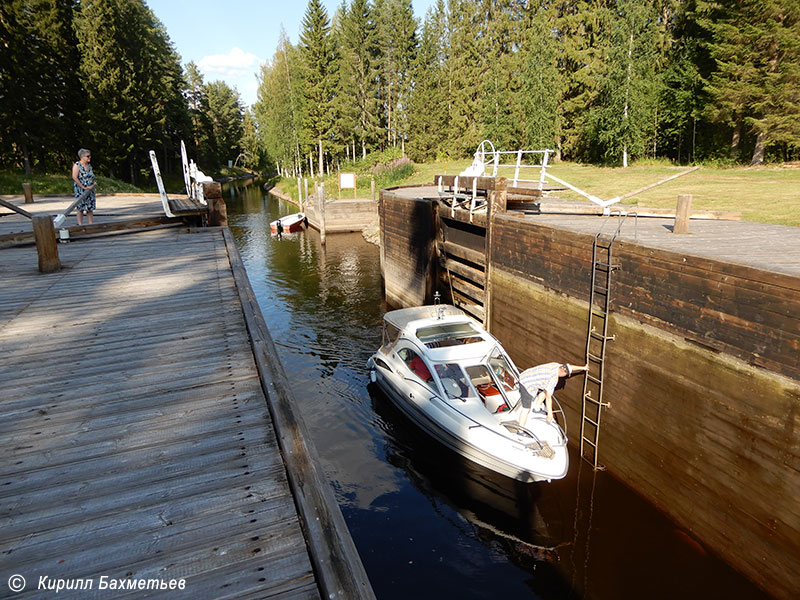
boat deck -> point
(137, 442)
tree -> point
(133, 83)
(42, 95)
(319, 59)
(756, 47)
(397, 41)
(357, 75)
(630, 88)
(428, 104)
(225, 113)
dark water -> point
(427, 523)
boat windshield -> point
(503, 369)
(390, 334)
(453, 380)
(449, 334)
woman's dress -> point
(86, 177)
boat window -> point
(453, 380)
(505, 373)
(390, 334)
(450, 334)
(416, 365)
(486, 385)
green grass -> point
(57, 185)
(768, 194)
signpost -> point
(347, 181)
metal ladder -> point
(596, 340)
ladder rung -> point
(597, 312)
(591, 443)
(600, 290)
(595, 423)
(594, 379)
(591, 356)
(593, 401)
(604, 338)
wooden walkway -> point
(135, 437)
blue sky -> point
(230, 40)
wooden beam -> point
(15, 208)
(46, 245)
(464, 253)
(652, 185)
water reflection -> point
(427, 523)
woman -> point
(83, 179)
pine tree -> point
(358, 90)
(428, 104)
(756, 47)
(319, 58)
(396, 31)
(42, 95)
(629, 90)
(502, 101)
(133, 83)
(541, 83)
(225, 112)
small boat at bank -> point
(288, 224)
(455, 381)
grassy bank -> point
(767, 194)
(58, 185)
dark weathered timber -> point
(703, 376)
(46, 246)
(136, 436)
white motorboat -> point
(288, 224)
(454, 380)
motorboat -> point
(455, 381)
(288, 224)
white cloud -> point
(234, 64)
(237, 68)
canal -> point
(426, 523)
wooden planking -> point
(737, 309)
(165, 476)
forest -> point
(597, 81)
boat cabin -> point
(450, 354)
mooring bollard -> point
(217, 211)
(682, 214)
(28, 192)
(46, 246)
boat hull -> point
(458, 444)
(290, 223)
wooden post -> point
(46, 247)
(305, 184)
(321, 207)
(28, 191)
(372, 189)
(217, 211)
(682, 214)
(299, 195)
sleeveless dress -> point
(86, 177)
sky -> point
(231, 40)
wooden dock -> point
(148, 432)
